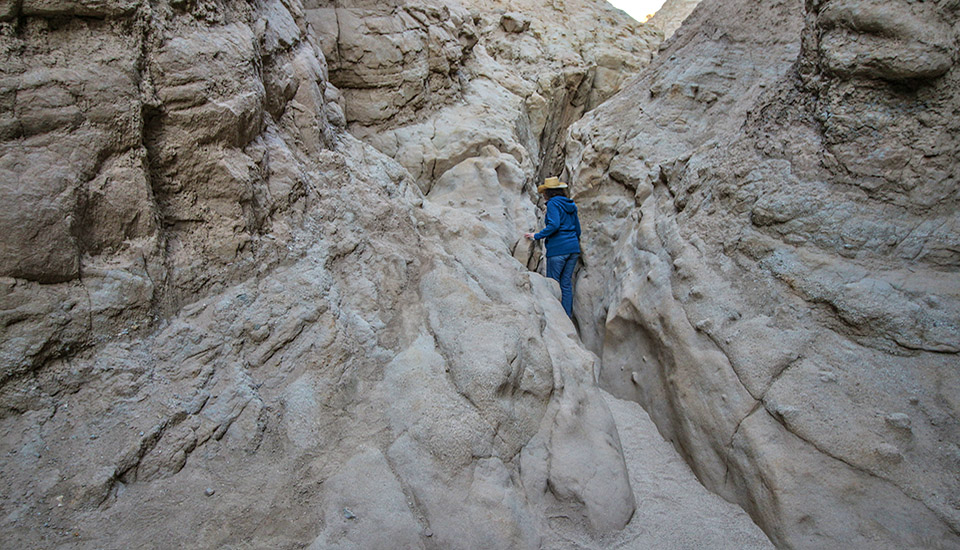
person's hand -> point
(528, 235)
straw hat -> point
(551, 183)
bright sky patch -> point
(640, 10)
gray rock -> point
(230, 290)
(241, 267)
(514, 22)
(801, 245)
(382, 518)
(672, 14)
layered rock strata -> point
(771, 262)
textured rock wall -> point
(671, 15)
(228, 322)
(393, 59)
(511, 75)
(140, 181)
(248, 299)
(771, 216)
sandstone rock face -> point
(771, 215)
(672, 14)
(228, 322)
(508, 74)
(667, 488)
(250, 299)
(392, 59)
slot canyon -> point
(264, 284)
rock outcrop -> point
(227, 321)
(671, 15)
(771, 247)
(511, 75)
(262, 283)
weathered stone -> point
(780, 267)
(81, 8)
(74, 112)
(672, 14)
(9, 9)
(366, 507)
(238, 294)
(211, 283)
(390, 60)
(886, 39)
(514, 22)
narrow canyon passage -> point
(263, 282)
(674, 510)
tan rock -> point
(672, 14)
(44, 171)
(883, 39)
(218, 304)
(390, 60)
(366, 507)
(243, 306)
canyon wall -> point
(229, 322)
(771, 249)
(263, 285)
(432, 87)
(671, 15)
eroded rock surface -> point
(511, 75)
(227, 321)
(250, 298)
(770, 218)
(672, 14)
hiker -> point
(562, 232)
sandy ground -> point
(674, 511)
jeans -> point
(560, 268)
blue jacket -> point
(562, 229)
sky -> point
(638, 9)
